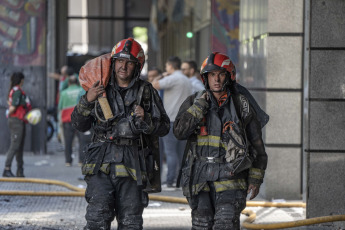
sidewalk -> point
(44, 212)
(50, 212)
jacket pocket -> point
(91, 155)
(185, 180)
(146, 161)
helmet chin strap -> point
(225, 84)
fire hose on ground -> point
(248, 222)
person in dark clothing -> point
(225, 156)
(121, 165)
(19, 105)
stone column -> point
(271, 34)
(325, 106)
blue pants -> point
(173, 150)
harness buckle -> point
(210, 159)
(122, 141)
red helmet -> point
(129, 49)
(217, 61)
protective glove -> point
(202, 101)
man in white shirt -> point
(176, 88)
(189, 68)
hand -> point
(55, 76)
(203, 101)
(254, 189)
(139, 112)
(94, 92)
(155, 84)
(11, 110)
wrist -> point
(86, 103)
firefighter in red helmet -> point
(121, 165)
(225, 157)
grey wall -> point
(271, 34)
(325, 146)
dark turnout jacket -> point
(231, 154)
(125, 140)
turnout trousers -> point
(109, 196)
(213, 210)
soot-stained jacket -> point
(124, 139)
(230, 153)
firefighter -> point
(121, 164)
(225, 158)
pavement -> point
(54, 212)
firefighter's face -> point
(216, 80)
(124, 69)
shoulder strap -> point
(237, 106)
(140, 93)
(199, 93)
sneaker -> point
(7, 173)
(68, 164)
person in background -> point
(225, 157)
(67, 102)
(176, 88)
(190, 69)
(19, 105)
(62, 79)
(155, 74)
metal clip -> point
(210, 160)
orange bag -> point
(98, 69)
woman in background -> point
(19, 105)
